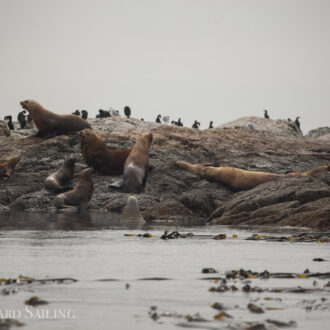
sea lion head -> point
(147, 138)
(29, 105)
(87, 136)
(70, 162)
(86, 173)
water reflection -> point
(74, 221)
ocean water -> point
(120, 277)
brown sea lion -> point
(80, 196)
(51, 124)
(60, 180)
(232, 177)
(137, 164)
(97, 155)
(7, 167)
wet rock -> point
(221, 316)
(256, 326)
(6, 324)
(218, 306)
(35, 301)
(209, 270)
(220, 236)
(282, 324)
(172, 194)
(4, 130)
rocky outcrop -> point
(4, 129)
(175, 194)
(319, 133)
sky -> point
(195, 59)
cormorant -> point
(266, 114)
(127, 111)
(10, 122)
(158, 119)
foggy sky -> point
(195, 59)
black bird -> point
(84, 114)
(21, 119)
(142, 119)
(289, 119)
(211, 125)
(102, 114)
(127, 111)
(179, 122)
(77, 113)
(196, 124)
(266, 114)
(158, 119)
(297, 122)
(10, 122)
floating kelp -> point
(35, 301)
(305, 237)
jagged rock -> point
(4, 130)
(319, 133)
(175, 194)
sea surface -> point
(133, 282)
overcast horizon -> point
(198, 60)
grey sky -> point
(195, 59)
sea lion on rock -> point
(97, 155)
(131, 211)
(136, 165)
(7, 167)
(51, 124)
(80, 196)
(61, 179)
(234, 178)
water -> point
(95, 251)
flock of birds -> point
(25, 121)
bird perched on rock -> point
(266, 114)
(77, 113)
(84, 114)
(166, 119)
(196, 124)
(177, 123)
(297, 122)
(21, 119)
(10, 122)
(211, 124)
(127, 111)
(158, 119)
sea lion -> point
(97, 155)
(7, 167)
(235, 178)
(61, 179)
(127, 111)
(80, 196)
(51, 124)
(10, 122)
(136, 165)
(158, 119)
(131, 211)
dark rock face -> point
(172, 193)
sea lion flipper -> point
(117, 184)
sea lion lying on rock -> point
(137, 164)
(61, 179)
(7, 167)
(97, 155)
(80, 196)
(238, 179)
(51, 124)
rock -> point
(322, 133)
(4, 130)
(172, 194)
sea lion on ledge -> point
(97, 155)
(7, 167)
(311, 172)
(232, 177)
(51, 124)
(80, 196)
(137, 164)
(61, 179)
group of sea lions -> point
(132, 163)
